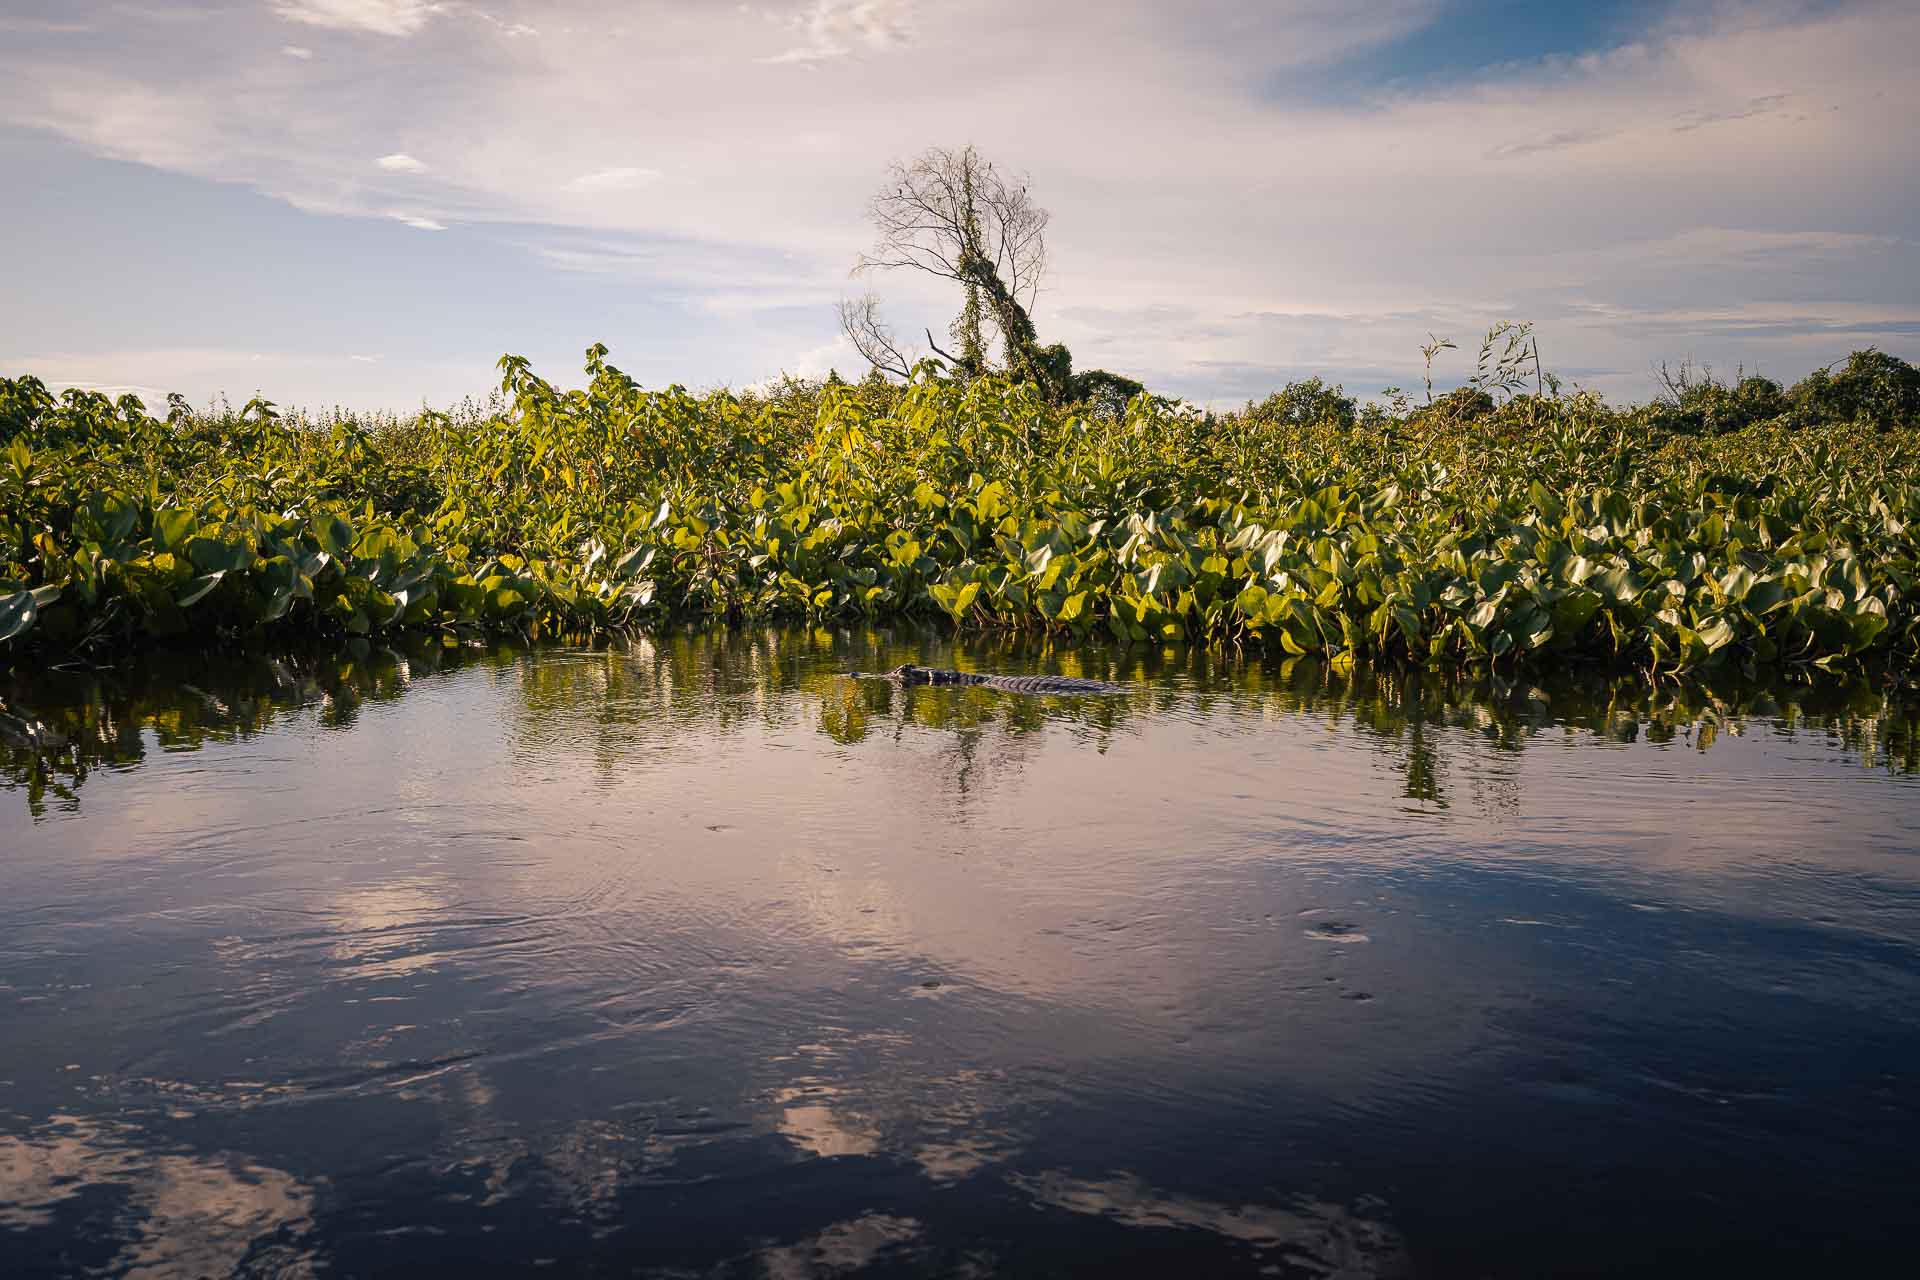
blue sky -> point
(366, 202)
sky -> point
(366, 202)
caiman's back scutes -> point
(910, 674)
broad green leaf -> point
(334, 535)
(17, 614)
(171, 527)
(198, 589)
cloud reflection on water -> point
(704, 924)
(174, 1214)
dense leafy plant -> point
(1507, 524)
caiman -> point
(910, 674)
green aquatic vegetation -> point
(1511, 526)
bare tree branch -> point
(946, 206)
(937, 351)
(860, 321)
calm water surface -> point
(700, 960)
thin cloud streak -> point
(618, 179)
(835, 29)
(378, 17)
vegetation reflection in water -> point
(698, 954)
(57, 728)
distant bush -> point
(1695, 402)
(1462, 404)
(1872, 389)
(1309, 402)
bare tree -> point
(945, 206)
(952, 214)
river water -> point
(699, 959)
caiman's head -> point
(906, 673)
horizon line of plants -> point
(1743, 524)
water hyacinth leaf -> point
(199, 588)
(1572, 612)
(1617, 584)
(1867, 627)
(1543, 501)
(17, 613)
(171, 527)
(1737, 583)
(334, 535)
(632, 562)
(212, 555)
(383, 544)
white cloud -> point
(1216, 225)
(296, 51)
(291, 377)
(831, 29)
(418, 223)
(622, 179)
(837, 356)
(379, 17)
(400, 162)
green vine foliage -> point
(1509, 529)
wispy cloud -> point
(378, 17)
(832, 29)
(1551, 142)
(1754, 107)
(296, 51)
(400, 162)
(43, 26)
(505, 26)
(418, 223)
(620, 179)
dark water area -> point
(698, 959)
